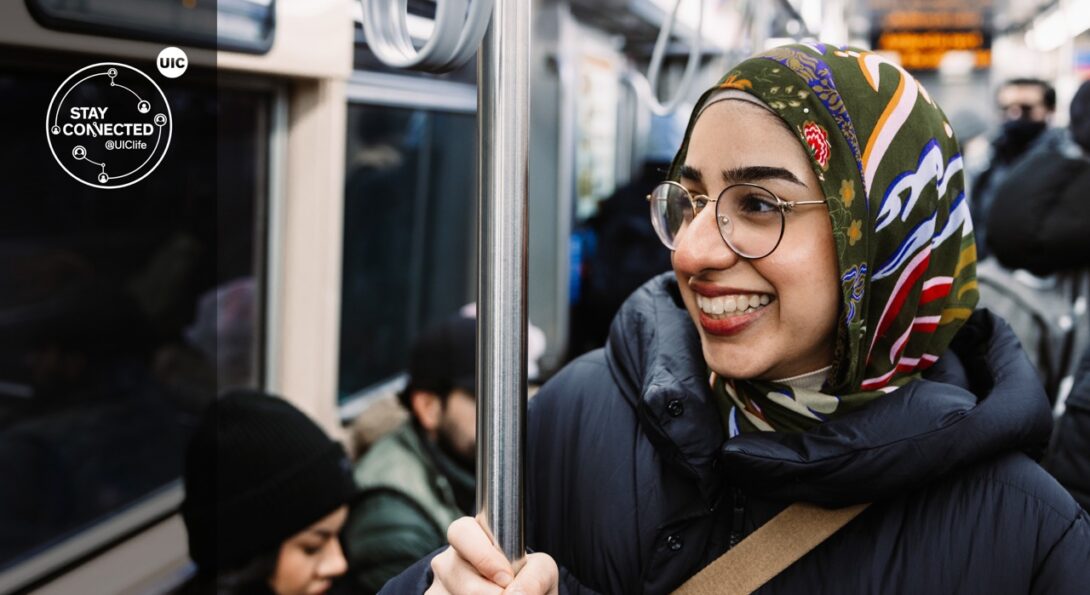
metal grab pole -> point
(503, 130)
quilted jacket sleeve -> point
(384, 535)
(1039, 217)
(1065, 570)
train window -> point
(240, 25)
(121, 314)
(409, 233)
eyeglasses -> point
(750, 218)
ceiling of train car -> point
(615, 16)
(996, 15)
(638, 21)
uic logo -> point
(108, 125)
(172, 62)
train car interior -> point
(325, 215)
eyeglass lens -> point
(749, 217)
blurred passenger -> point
(266, 497)
(1026, 106)
(816, 344)
(627, 252)
(224, 331)
(419, 478)
(1040, 219)
(1041, 223)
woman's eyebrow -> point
(756, 173)
(691, 173)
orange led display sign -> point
(924, 50)
(923, 20)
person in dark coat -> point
(816, 343)
(627, 253)
(1026, 106)
(1041, 211)
(419, 478)
(1040, 223)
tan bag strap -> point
(770, 549)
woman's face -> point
(791, 330)
(312, 558)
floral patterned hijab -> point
(891, 169)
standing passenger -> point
(816, 343)
(626, 253)
(1041, 212)
(1040, 223)
(1025, 107)
(266, 494)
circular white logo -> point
(108, 125)
(172, 62)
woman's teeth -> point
(731, 304)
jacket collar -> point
(981, 399)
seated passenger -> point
(817, 344)
(266, 495)
(420, 478)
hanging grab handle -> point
(651, 95)
(459, 28)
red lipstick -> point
(731, 325)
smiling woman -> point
(817, 343)
(792, 331)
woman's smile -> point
(728, 311)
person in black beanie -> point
(266, 496)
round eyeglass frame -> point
(784, 206)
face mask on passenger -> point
(1016, 136)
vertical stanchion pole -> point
(503, 125)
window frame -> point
(98, 536)
(95, 25)
(379, 89)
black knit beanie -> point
(257, 472)
(443, 358)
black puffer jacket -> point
(1069, 454)
(1041, 214)
(632, 488)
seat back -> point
(1048, 314)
